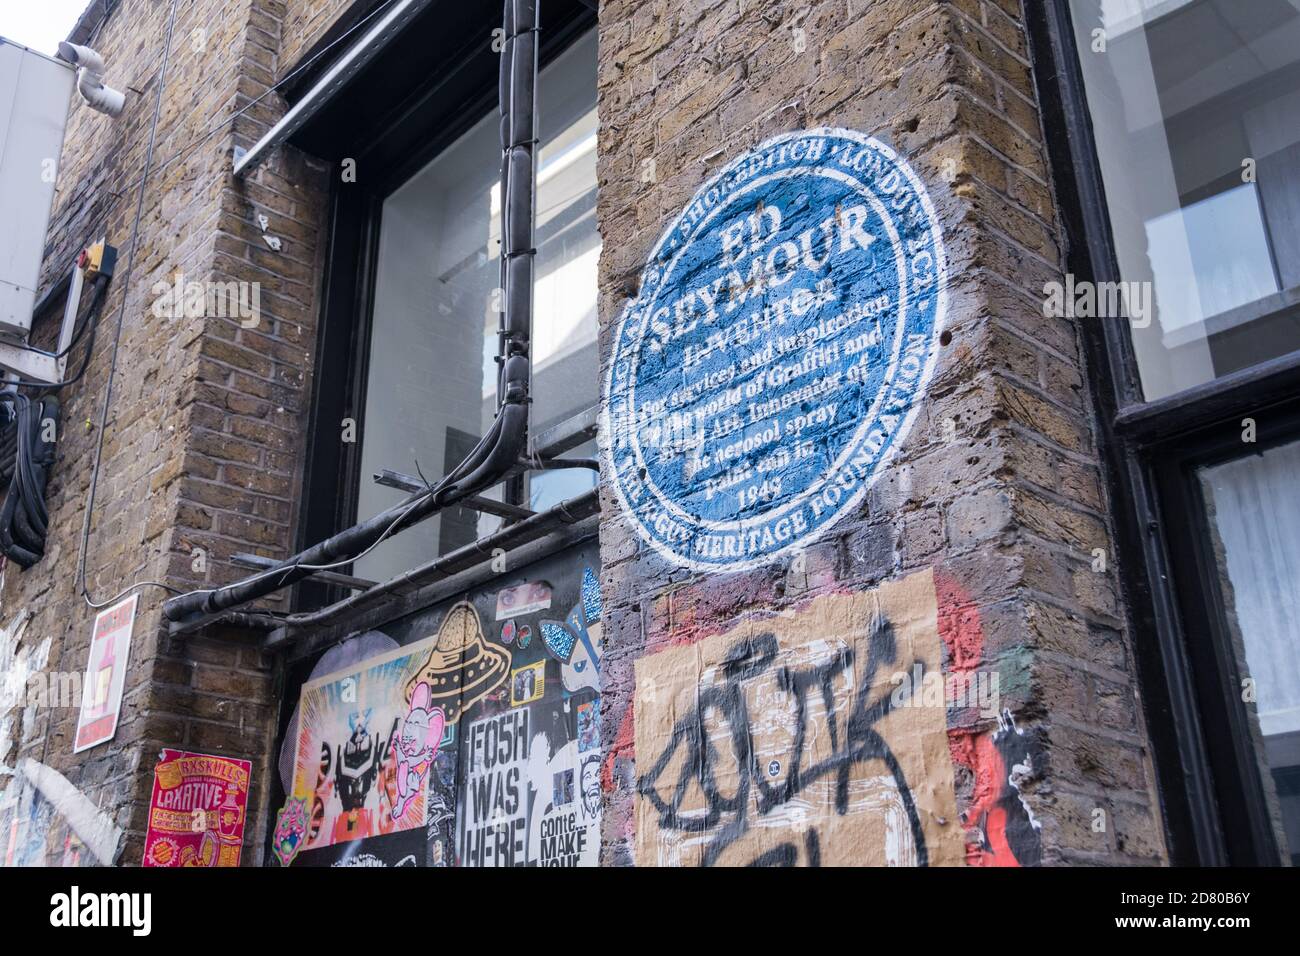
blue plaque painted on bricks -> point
(771, 364)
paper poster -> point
(290, 827)
(523, 599)
(369, 737)
(837, 767)
(528, 683)
(404, 848)
(197, 810)
(514, 779)
(492, 822)
(578, 642)
(349, 728)
(531, 798)
(564, 827)
(101, 689)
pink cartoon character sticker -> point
(417, 746)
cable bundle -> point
(27, 443)
(29, 437)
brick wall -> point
(305, 21)
(997, 488)
(996, 491)
(204, 448)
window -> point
(1195, 106)
(1253, 511)
(1174, 131)
(430, 389)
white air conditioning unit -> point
(35, 92)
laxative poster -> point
(367, 739)
(101, 693)
(197, 811)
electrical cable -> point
(418, 499)
(498, 450)
(212, 130)
(24, 518)
(78, 330)
(92, 322)
(27, 453)
(117, 337)
(142, 183)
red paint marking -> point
(625, 742)
(961, 631)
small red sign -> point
(101, 690)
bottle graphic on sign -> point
(104, 677)
(229, 817)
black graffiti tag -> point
(854, 740)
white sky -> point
(39, 24)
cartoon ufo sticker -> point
(462, 668)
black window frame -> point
(1210, 786)
(393, 119)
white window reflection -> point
(432, 376)
(1196, 109)
(1254, 511)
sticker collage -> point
(467, 734)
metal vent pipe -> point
(500, 449)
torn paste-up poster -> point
(523, 598)
(372, 737)
(101, 693)
(564, 820)
(777, 743)
(531, 788)
(197, 811)
(46, 821)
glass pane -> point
(1196, 109)
(1254, 508)
(431, 388)
(546, 489)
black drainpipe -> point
(500, 449)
